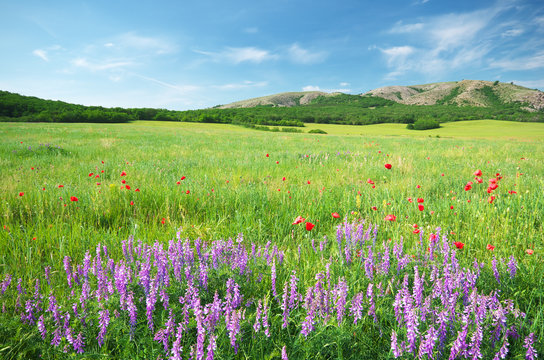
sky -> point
(183, 55)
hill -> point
(463, 93)
(288, 99)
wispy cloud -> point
(439, 44)
(239, 55)
(317, 88)
(532, 62)
(179, 88)
(538, 84)
(42, 54)
(100, 66)
(243, 85)
(304, 56)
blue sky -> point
(196, 54)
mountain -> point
(476, 93)
(287, 99)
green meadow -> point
(63, 192)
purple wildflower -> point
(41, 327)
(341, 291)
(356, 307)
(284, 353)
(273, 279)
(512, 266)
(104, 322)
(257, 325)
(528, 344)
(397, 351)
(211, 347)
(79, 343)
(495, 271)
(57, 336)
(266, 325)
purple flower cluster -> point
(188, 295)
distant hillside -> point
(463, 93)
(287, 99)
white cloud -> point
(251, 30)
(242, 85)
(512, 33)
(317, 88)
(532, 84)
(239, 55)
(42, 54)
(303, 56)
(100, 66)
(148, 44)
(344, 84)
(523, 63)
(399, 28)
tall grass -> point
(234, 179)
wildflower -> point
(529, 251)
(421, 207)
(309, 226)
(21, 193)
(132, 203)
(468, 186)
(490, 247)
(388, 166)
(283, 179)
(374, 208)
(528, 344)
(137, 190)
(298, 220)
(478, 173)
(459, 244)
(91, 174)
(335, 215)
(188, 192)
(420, 200)
(61, 186)
(284, 353)
(123, 173)
(491, 199)
(73, 198)
(390, 217)
(127, 187)
(123, 181)
(183, 177)
(163, 220)
(369, 181)
(267, 155)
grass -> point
(235, 181)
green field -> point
(238, 180)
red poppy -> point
(91, 174)
(511, 192)
(374, 208)
(390, 217)
(97, 183)
(309, 226)
(370, 181)
(267, 155)
(478, 173)
(277, 162)
(490, 247)
(123, 181)
(123, 173)
(493, 186)
(138, 190)
(73, 198)
(491, 199)
(529, 251)
(183, 177)
(459, 244)
(283, 178)
(335, 215)
(451, 207)
(97, 176)
(420, 200)
(421, 207)
(127, 187)
(163, 220)
(61, 186)
(308, 182)
(31, 168)
(416, 231)
(409, 200)
(187, 192)
(21, 193)
(468, 187)
(132, 203)
(298, 220)
(388, 166)
(418, 186)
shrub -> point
(317, 131)
(425, 124)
